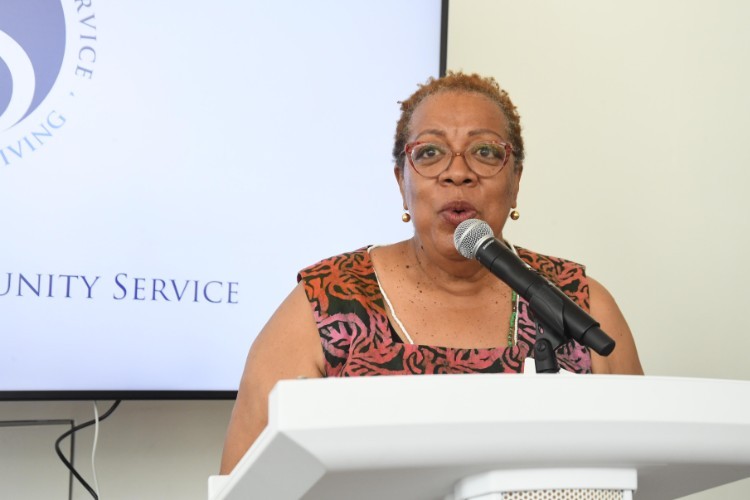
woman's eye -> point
(428, 152)
(488, 152)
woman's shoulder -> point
(356, 262)
(568, 275)
(548, 265)
(342, 283)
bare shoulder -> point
(392, 254)
(624, 359)
(287, 347)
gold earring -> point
(514, 214)
(406, 217)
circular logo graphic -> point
(32, 46)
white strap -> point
(388, 302)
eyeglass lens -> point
(484, 158)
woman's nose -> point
(458, 171)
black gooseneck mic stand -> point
(558, 320)
(545, 346)
(557, 317)
(550, 331)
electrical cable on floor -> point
(71, 433)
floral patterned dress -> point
(358, 339)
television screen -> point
(166, 168)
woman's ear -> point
(516, 183)
(399, 173)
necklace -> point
(513, 326)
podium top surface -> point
(415, 437)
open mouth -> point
(457, 212)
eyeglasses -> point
(484, 158)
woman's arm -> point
(288, 347)
(624, 358)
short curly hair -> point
(459, 82)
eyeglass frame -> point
(408, 147)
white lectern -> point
(462, 437)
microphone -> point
(474, 239)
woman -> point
(418, 306)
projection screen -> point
(166, 168)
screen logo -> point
(43, 44)
(32, 46)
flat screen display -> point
(166, 168)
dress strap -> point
(388, 302)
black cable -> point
(72, 459)
(71, 433)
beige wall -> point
(635, 118)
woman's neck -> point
(452, 273)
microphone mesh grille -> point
(468, 234)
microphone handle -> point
(546, 301)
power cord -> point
(93, 449)
(71, 433)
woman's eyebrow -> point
(484, 131)
(432, 131)
(471, 133)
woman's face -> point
(437, 205)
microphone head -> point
(469, 235)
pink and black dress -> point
(358, 338)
